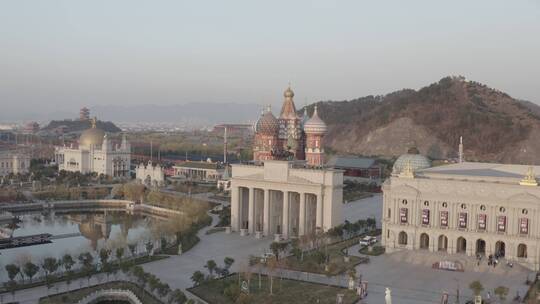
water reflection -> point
(78, 231)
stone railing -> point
(111, 294)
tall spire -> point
(288, 110)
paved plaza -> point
(407, 273)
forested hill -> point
(494, 126)
(81, 125)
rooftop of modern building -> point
(482, 172)
(350, 162)
(199, 165)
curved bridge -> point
(111, 295)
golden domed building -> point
(95, 153)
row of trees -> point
(349, 230)
(214, 271)
(156, 287)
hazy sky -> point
(63, 54)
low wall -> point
(73, 204)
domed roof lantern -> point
(315, 124)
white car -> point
(368, 240)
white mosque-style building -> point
(95, 153)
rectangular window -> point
(462, 223)
(444, 218)
(482, 222)
(501, 223)
(403, 212)
(425, 217)
(524, 226)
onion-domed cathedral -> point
(95, 153)
(290, 136)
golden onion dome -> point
(92, 136)
(288, 93)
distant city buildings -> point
(356, 168)
(150, 175)
(14, 162)
(199, 171)
(95, 153)
(84, 114)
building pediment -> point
(524, 197)
(406, 190)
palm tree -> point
(149, 246)
(67, 262)
(211, 266)
(119, 253)
(132, 248)
(12, 270)
(30, 269)
(50, 265)
(197, 278)
(177, 296)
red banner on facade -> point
(403, 215)
(482, 222)
(444, 218)
(501, 223)
(462, 220)
(425, 217)
(524, 226)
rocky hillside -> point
(494, 126)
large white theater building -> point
(285, 199)
(467, 208)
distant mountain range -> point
(494, 126)
(189, 114)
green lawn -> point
(284, 291)
(335, 251)
(76, 295)
(376, 250)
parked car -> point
(368, 240)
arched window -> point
(402, 238)
(522, 251)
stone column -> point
(302, 216)
(266, 212)
(319, 214)
(251, 212)
(285, 224)
(235, 208)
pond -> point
(79, 231)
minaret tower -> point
(315, 129)
(461, 149)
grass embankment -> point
(284, 291)
(75, 296)
(336, 257)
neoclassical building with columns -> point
(285, 199)
(464, 208)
